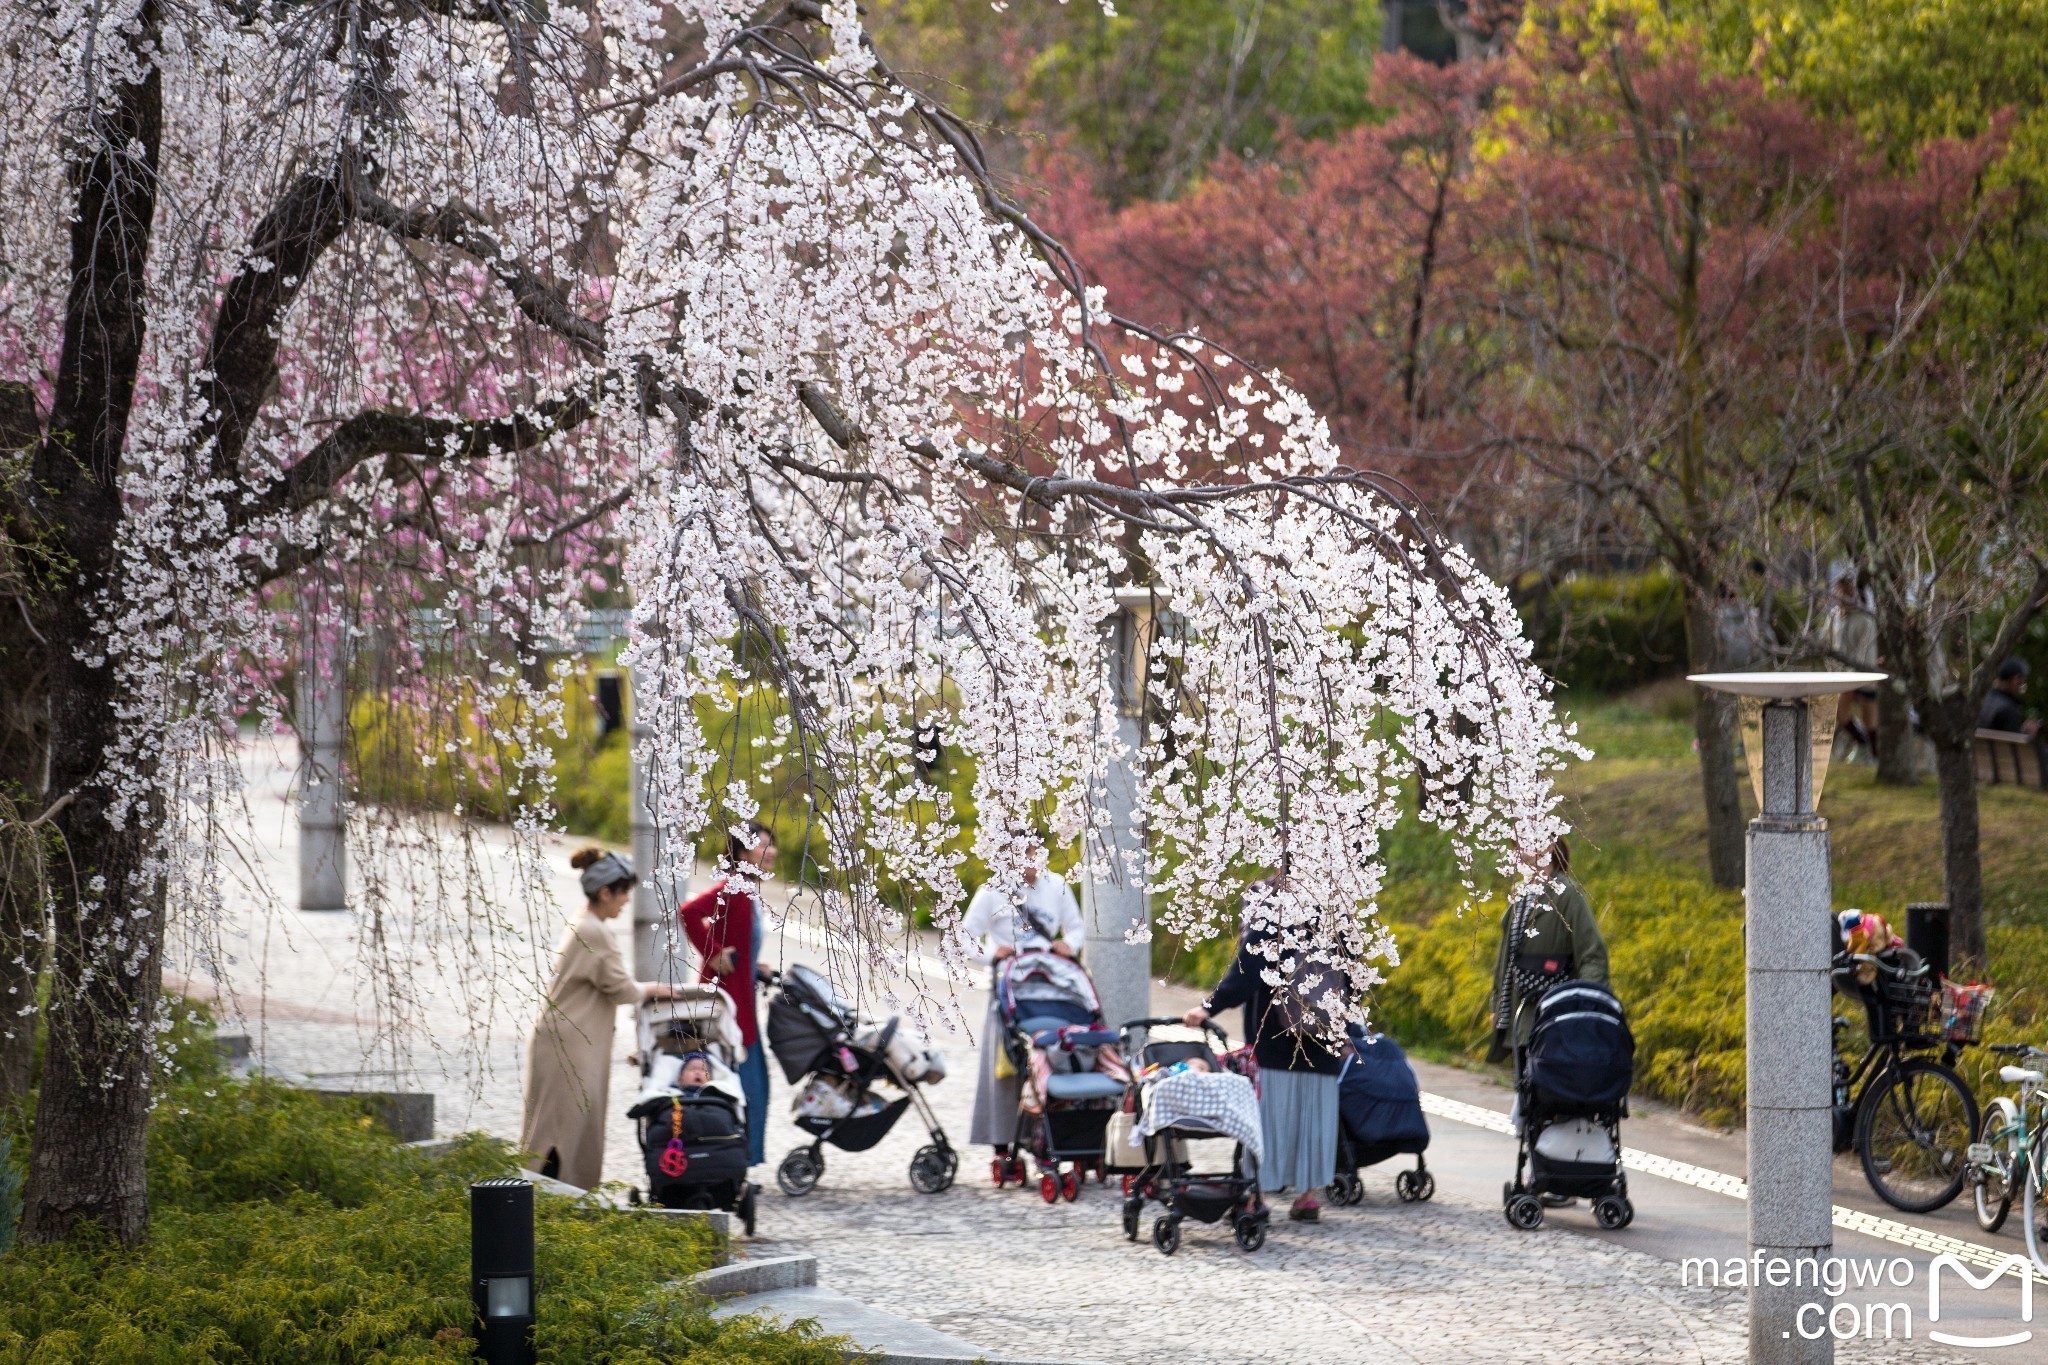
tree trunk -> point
(1713, 725)
(1895, 759)
(1955, 773)
(86, 1161)
(24, 751)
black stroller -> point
(1203, 1105)
(1379, 1116)
(693, 1138)
(1571, 1093)
(838, 1058)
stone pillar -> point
(651, 946)
(1111, 909)
(323, 825)
(1790, 1047)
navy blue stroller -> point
(1379, 1116)
(1571, 1094)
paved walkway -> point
(1443, 1281)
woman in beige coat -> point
(569, 1058)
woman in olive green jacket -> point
(1547, 935)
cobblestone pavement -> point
(1445, 1281)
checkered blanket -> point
(1218, 1101)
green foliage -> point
(1604, 633)
(1151, 95)
(289, 1228)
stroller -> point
(1571, 1093)
(1183, 1091)
(838, 1058)
(1379, 1108)
(1074, 1079)
(693, 1139)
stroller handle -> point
(1209, 1025)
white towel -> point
(1219, 1100)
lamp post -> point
(323, 725)
(501, 1269)
(1123, 970)
(1788, 945)
(648, 949)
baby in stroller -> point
(691, 1112)
(1181, 1091)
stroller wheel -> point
(1610, 1212)
(798, 1174)
(1129, 1181)
(1017, 1170)
(1049, 1188)
(1425, 1185)
(1251, 1232)
(928, 1171)
(1408, 1186)
(746, 1207)
(1525, 1211)
(1354, 1189)
(1166, 1234)
(999, 1171)
(1070, 1186)
(1134, 1209)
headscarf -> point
(609, 870)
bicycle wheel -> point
(2030, 1215)
(1913, 1132)
(1996, 1182)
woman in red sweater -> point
(726, 925)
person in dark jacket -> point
(2002, 706)
(1547, 935)
(1297, 1079)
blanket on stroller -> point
(1215, 1100)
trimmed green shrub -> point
(1604, 633)
(289, 1228)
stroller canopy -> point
(702, 1018)
(1379, 1098)
(1581, 1056)
(1041, 990)
(806, 1017)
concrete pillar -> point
(1791, 1161)
(1112, 909)
(652, 947)
(323, 826)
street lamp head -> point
(1789, 686)
(1785, 741)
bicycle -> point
(2005, 1138)
(2008, 1143)
(1911, 1118)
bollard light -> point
(1788, 941)
(501, 1269)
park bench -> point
(2008, 759)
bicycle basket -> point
(1903, 1008)
(1962, 1009)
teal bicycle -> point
(2009, 1160)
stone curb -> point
(757, 1277)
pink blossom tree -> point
(362, 301)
